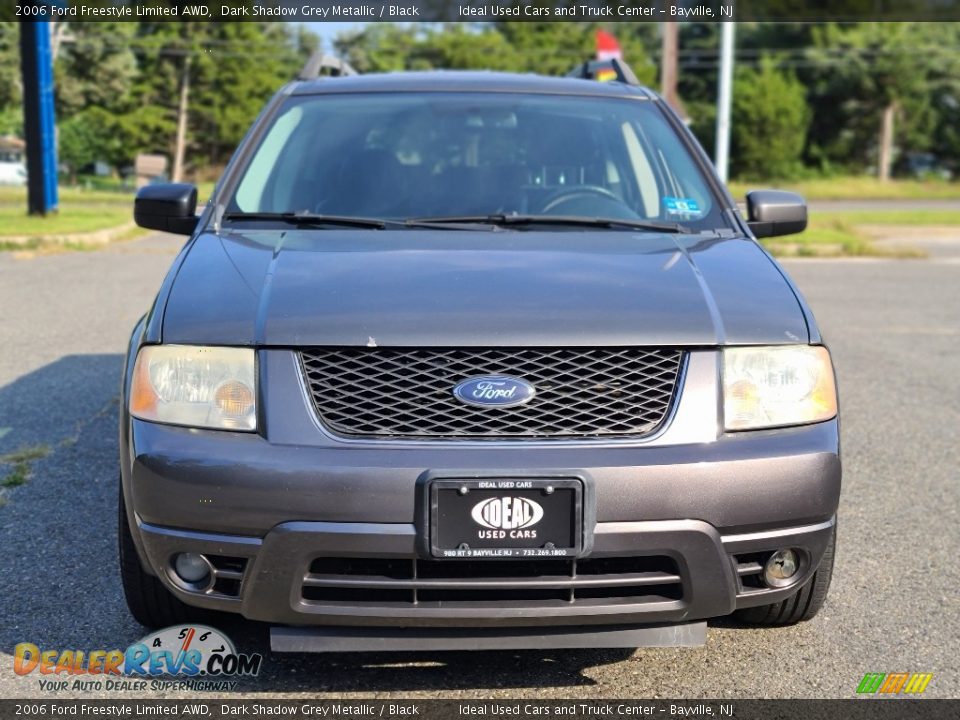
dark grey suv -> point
(476, 360)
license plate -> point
(506, 518)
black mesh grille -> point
(580, 392)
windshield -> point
(474, 155)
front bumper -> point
(686, 516)
(277, 572)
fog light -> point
(782, 568)
(192, 569)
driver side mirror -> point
(775, 212)
(170, 207)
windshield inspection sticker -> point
(681, 206)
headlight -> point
(203, 387)
(776, 386)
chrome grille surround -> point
(407, 393)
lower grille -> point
(749, 567)
(407, 581)
(408, 392)
(228, 575)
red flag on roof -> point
(607, 46)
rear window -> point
(409, 155)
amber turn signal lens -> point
(143, 398)
(234, 399)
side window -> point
(643, 171)
(249, 195)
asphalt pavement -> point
(893, 326)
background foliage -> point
(769, 123)
(808, 99)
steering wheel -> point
(575, 193)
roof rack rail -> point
(318, 62)
(605, 70)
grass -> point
(22, 461)
(204, 191)
(845, 233)
(824, 238)
(35, 246)
(914, 218)
(18, 476)
(89, 183)
(18, 196)
(27, 454)
(70, 220)
(80, 211)
(856, 188)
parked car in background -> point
(12, 169)
(476, 360)
(922, 166)
(13, 173)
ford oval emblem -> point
(494, 391)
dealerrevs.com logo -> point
(195, 657)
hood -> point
(464, 288)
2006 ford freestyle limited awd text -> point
(476, 360)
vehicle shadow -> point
(414, 671)
(60, 587)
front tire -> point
(801, 606)
(150, 603)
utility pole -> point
(724, 99)
(668, 64)
(179, 150)
(885, 159)
(58, 36)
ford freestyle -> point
(476, 360)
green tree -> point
(871, 93)
(545, 48)
(554, 48)
(238, 67)
(232, 69)
(87, 137)
(382, 47)
(10, 82)
(96, 68)
(769, 123)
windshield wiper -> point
(303, 219)
(521, 220)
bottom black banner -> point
(865, 709)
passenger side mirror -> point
(776, 212)
(169, 208)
